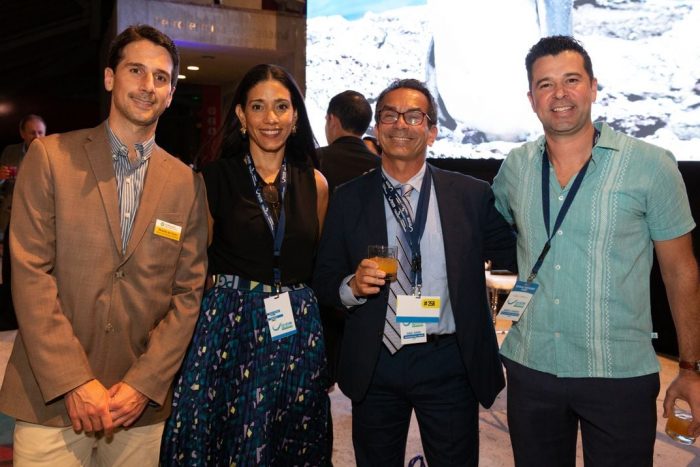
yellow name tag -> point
(412, 309)
(167, 230)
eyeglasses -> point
(411, 117)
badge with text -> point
(412, 309)
(167, 230)
(518, 300)
(413, 333)
(280, 318)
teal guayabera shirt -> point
(591, 315)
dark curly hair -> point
(554, 45)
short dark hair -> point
(139, 32)
(554, 45)
(29, 117)
(353, 111)
(408, 84)
(300, 147)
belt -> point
(232, 281)
(437, 338)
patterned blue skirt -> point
(243, 399)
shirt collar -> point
(119, 149)
(416, 181)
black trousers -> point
(617, 418)
(430, 379)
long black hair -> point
(301, 145)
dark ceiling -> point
(50, 46)
(49, 53)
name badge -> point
(280, 317)
(413, 333)
(167, 230)
(518, 300)
(412, 309)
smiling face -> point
(268, 117)
(141, 86)
(562, 93)
(400, 141)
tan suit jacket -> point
(85, 310)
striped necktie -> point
(402, 284)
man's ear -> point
(109, 79)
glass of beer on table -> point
(678, 423)
(385, 257)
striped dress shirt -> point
(130, 178)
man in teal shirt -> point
(582, 352)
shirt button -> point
(557, 267)
(561, 197)
(119, 274)
(109, 328)
(556, 301)
(560, 232)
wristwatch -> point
(695, 366)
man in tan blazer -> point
(108, 244)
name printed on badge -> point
(167, 230)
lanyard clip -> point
(278, 288)
(417, 290)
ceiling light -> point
(181, 76)
(193, 68)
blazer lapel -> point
(100, 158)
(448, 202)
(157, 174)
(373, 200)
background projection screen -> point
(471, 54)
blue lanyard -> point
(412, 228)
(277, 233)
(564, 207)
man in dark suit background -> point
(457, 366)
(346, 156)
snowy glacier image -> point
(471, 53)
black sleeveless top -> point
(242, 243)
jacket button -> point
(119, 274)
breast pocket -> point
(163, 240)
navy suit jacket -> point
(473, 231)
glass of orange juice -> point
(678, 423)
(385, 257)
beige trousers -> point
(42, 446)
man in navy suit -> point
(445, 362)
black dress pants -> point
(430, 379)
(617, 418)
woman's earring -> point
(243, 131)
(294, 129)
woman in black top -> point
(253, 385)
